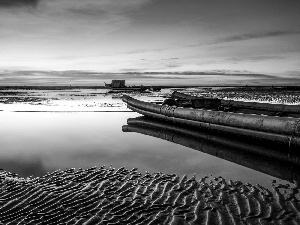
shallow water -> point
(68, 134)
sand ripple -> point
(110, 196)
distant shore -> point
(63, 87)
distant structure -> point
(116, 84)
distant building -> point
(117, 83)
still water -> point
(33, 143)
(57, 135)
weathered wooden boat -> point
(239, 106)
(283, 130)
(275, 160)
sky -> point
(44, 41)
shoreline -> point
(70, 87)
(113, 196)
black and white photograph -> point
(150, 112)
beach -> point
(44, 133)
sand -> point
(121, 196)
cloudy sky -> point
(227, 36)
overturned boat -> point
(282, 130)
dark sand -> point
(109, 196)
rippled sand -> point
(110, 196)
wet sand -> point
(121, 196)
(68, 100)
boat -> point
(239, 106)
(272, 159)
(275, 129)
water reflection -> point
(26, 167)
(33, 143)
(269, 158)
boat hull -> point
(279, 108)
(270, 128)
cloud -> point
(256, 58)
(18, 3)
(257, 35)
(90, 7)
(295, 73)
(173, 58)
(247, 36)
(62, 22)
(213, 77)
(88, 10)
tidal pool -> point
(33, 143)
